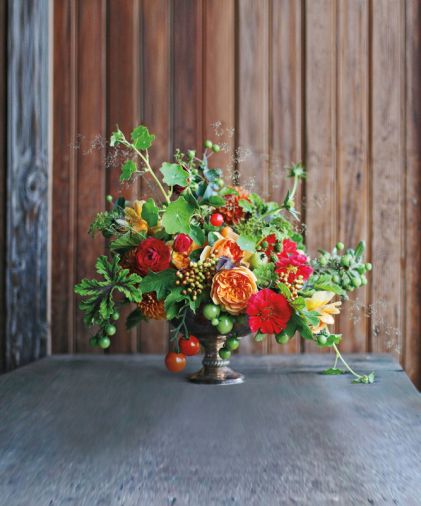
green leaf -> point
(359, 251)
(246, 205)
(177, 216)
(298, 303)
(366, 379)
(141, 138)
(330, 287)
(174, 174)
(311, 317)
(134, 318)
(265, 274)
(127, 170)
(247, 243)
(127, 241)
(333, 371)
(197, 234)
(305, 330)
(150, 212)
(228, 191)
(212, 238)
(291, 327)
(116, 137)
(160, 282)
(285, 291)
(171, 302)
(216, 201)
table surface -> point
(122, 431)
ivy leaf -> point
(174, 174)
(127, 241)
(333, 371)
(197, 234)
(150, 212)
(141, 138)
(116, 137)
(160, 282)
(134, 318)
(177, 216)
(247, 243)
(127, 170)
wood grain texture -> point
(412, 347)
(285, 427)
(3, 164)
(352, 157)
(252, 118)
(387, 166)
(27, 182)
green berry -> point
(208, 144)
(340, 245)
(368, 266)
(191, 153)
(110, 330)
(224, 354)
(282, 337)
(258, 259)
(215, 322)
(323, 261)
(216, 148)
(104, 342)
(346, 260)
(336, 279)
(225, 324)
(363, 280)
(356, 281)
(109, 198)
(321, 339)
(232, 343)
(93, 341)
(219, 182)
(116, 315)
(211, 311)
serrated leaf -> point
(150, 212)
(174, 174)
(333, 371)
(127, 170)
(160, 282)
(247, 243)
(141, 138)
(177, 216)
(116, 137)
(127, 241)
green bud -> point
(109, 198)
(216, 148)
(340, 245)
(208, 144)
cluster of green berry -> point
(196, 277)
(102, 337)
(224, 323)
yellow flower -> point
(180, 260)
(319, 302)
(134, 216)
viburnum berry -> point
(216, 219)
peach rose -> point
(232, 288)
(223, 248)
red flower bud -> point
(182, 243)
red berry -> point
(175, 362)
(217, 219)
(190, 346)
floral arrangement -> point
(217, 251)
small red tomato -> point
(217, 219)
(190, 346)
(175, 362)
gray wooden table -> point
(122, 431)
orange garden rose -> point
(232, 288)
(227, 248)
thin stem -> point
(338, 355)
(294, 187)
(336, 361)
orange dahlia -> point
(232, 211)
(232, 288)
(151, 307)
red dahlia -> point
(152, 254)
(268, 312)
(292, 262)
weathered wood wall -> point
(332, 83)
(26, 234)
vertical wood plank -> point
(387, 169)
(252, 125)
(27, 182)
(123, 108)
(285, 108)
(91, 125)
(3, 155)
(412, 349)
(156, 113)
(219, 79)
(63, 178)
(352, 156)
(320, 100)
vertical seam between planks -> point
(370, 72)
(303, 128)
(235, 176)
(141, 112)
(203, 73)
(336, 127)
(270, 121)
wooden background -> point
(335, 84)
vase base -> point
(217, 376)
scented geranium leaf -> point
(332, 371)
(160, 282)
(174, 174)
(265, 275)
(116, 137)
(134, 318)
(126, 241)
(127, 170)
(177, 216)
(247, 243)
(141, 138)
(197, 234)
(150, 212)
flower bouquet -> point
(215, 260)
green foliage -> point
(333, 371)
(177, 216)
(174, 174)
(98, 304)
(365, 379)
(150, 212)
(172, 303)
(116, 137)
(247, 243)
(141, 138)
(127, 170)
(160, 282)
(265, 275)
(126, 241)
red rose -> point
(182, 243)
(292, 262)
(268, 312)
(152, 254)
